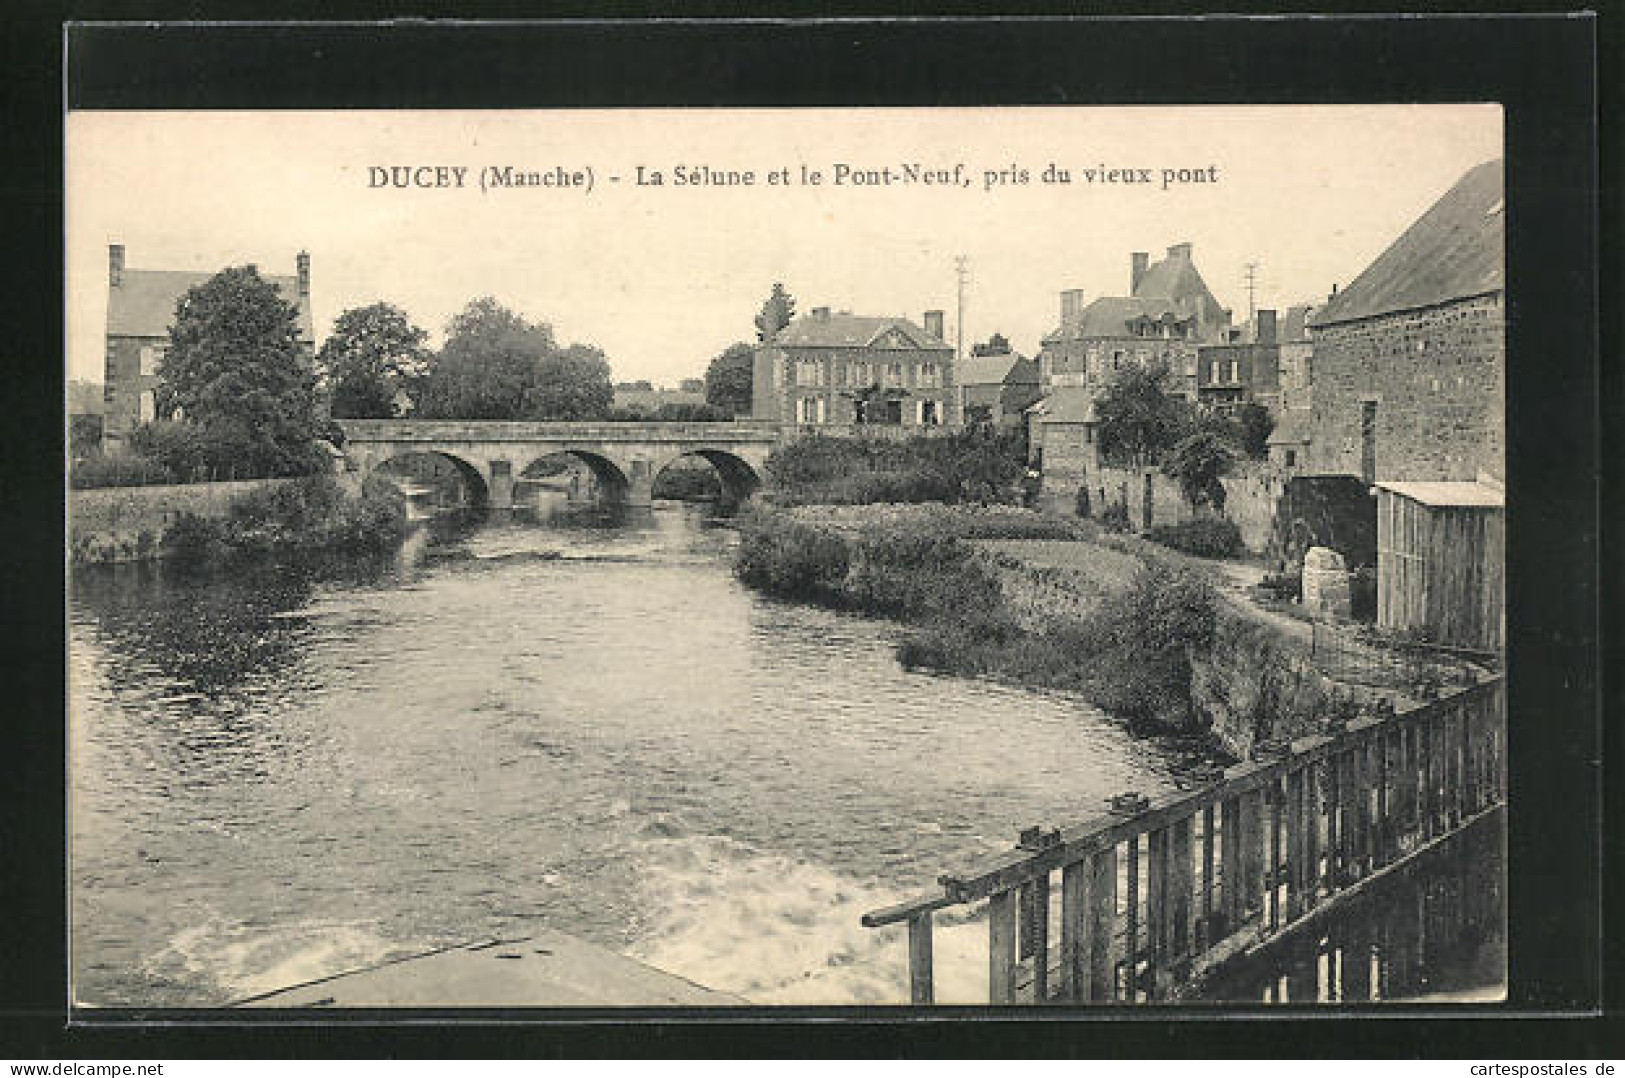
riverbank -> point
(205, 523)
(1152, 637)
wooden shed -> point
(1441, 561)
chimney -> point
(1071, 306)
(115, 264)
(933, 324)
(1334, 291)
(303, 264)
(1264, 328)
(1137, 264)
(1180, 251)
(820, 314)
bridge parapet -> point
(483, 430)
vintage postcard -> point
(782, 557)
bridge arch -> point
(408, 463)
(739, 477)
(614, 486)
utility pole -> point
(1252, 286)
(961, 274)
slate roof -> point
(1076, 406)
(1454, 250)
(1169, 289)
(1174, 278)
(850, 331)
(995, 370)
(143, 303)
(1450, 495)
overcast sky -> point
(663, 278)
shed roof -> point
(852, 331)
(1454, 250)
(1449, 495)
(143, 303)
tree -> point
(1253, 427)
(1197, 464)
(776, 313)
(497, 365)
(237, 373)
(996, 345)
(373, 353)
(728, 380)
(1138, 420)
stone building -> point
(1408, 379)
(1229, 374)
(835, 369)
(140, 309)
(1005, 384)
(1167, 315)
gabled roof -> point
(995, 370)
(1175, 279)
(142, 304)
(854, 331)
(1454, 250)
(1072, 404)
(1110, 316)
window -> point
(894, 374)
(928, 375)
(1368, 441)
(809, 372)
(1291, 458)
(1235, 370)
(150, 357)
(929, 413)
(1213, 371)
(148, 406)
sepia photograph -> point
(896, 557)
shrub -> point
(791, 560)
(125, 470)
(1208, 537)
(1363, 593)
(1114, 518)
(305, 518)
(978, 466)
(1284, 586)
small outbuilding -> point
(1441, 556)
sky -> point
(663, 278)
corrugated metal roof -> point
(143, 303)
(851, 331)
(1454, 250)
(1449, 495)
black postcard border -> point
(1542, 69)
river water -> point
(274, 779)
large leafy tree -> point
(496, 364)
(1139, 420)
(728, 379)
(236, 373)
(777, 311)
(1198, 463)
(1254, 424)
(373, 353)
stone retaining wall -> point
(117, 524)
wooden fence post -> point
(1001, 948)
(921, 990)
(1035, 932)
(1102, 980)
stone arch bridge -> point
(625, 458)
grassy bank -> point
(1128, 645)
(306, 520)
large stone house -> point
(1169, 315)
(1408, 359)
(140, 310)
(835, 369)
(1409, 396)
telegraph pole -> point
(1252, 286)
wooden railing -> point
(1157, 895)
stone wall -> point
(118, 524)
(1436, 377)
(1252, 493)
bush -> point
(125, 470)
(1363, 593)
(976, 466)
(791, 560)
(1114, 518)
(306, 518)
(1209, 537)
(1285, 586)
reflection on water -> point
(277, 778)
(1434, 932)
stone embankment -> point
(122, 524)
